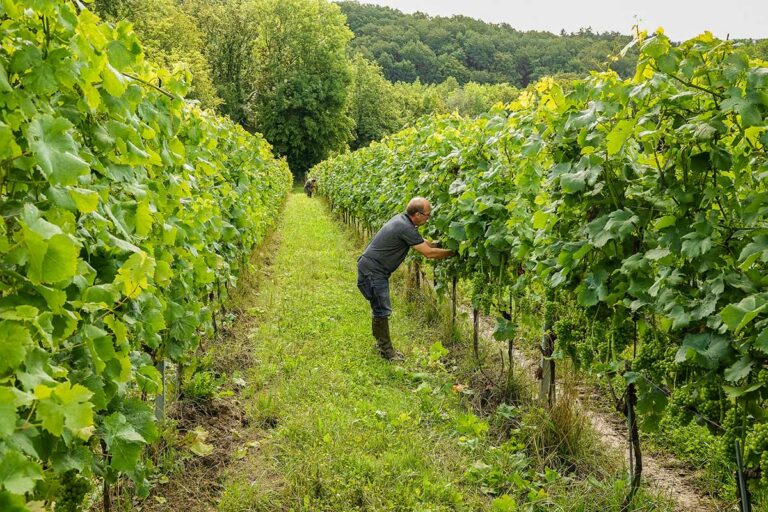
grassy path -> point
(339, 428)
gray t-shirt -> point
(389, 247)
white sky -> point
(681, 19)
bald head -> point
(418, 210)
(417, 205)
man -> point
(310, 186)
(383, 255)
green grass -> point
(341, 429)
(344, 429)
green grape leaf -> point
(17, 474)
(541, 219)
(505, 329)
(708, 349)
(5, 86)
(52, 260)
(134, 274)
(761, 343)
(573, 182)
(142, 417)
(657, 253)
(53, 297)
(750, 115)
(143, 219)
(56, 150)
(36, 371)
(122, 56)
(85, 200)
(457, 231)
(124, 442)
(65, 406)
(739, 370)
(8, 416)
(9, 149)
(104, 295)
(739, 315)
(12, 502)
(117, 428)
(149, 379)
(737, 391)
(695, 245)
(15, 341)
(114, 82)
(619, 135)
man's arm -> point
(433, 252)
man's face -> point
(422, 218)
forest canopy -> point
(358, 72)
(411, 46)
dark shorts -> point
(376, 291)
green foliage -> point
(170, 38)
(300, 80)
(253, 87)
(202, 385)
(229, 30)
(641, 200)
(123, 209)
(416, 99)
(432, 49)
(373, 105)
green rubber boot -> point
(380, 328)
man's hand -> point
(433, 244)
(432, 252)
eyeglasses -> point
(426, 214)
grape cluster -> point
(703, 398)
(757, 449)
(569, 333)
(764, 469)
(73, 490)
(482, 294)
(656, 357)
(709, 400)
(681, 401)
(623, 332)
(731, 432)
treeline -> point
(431, 49)
(411, 47)
(295, 72)
(378, 107)
(288, 70)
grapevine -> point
(639, 200)
(124, 209)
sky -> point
(681, 19)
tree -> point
(410, 46)
(372, 105)
(228, 29)
(301, 78)
(170, 38)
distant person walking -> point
(310, 186)
(383, 255)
